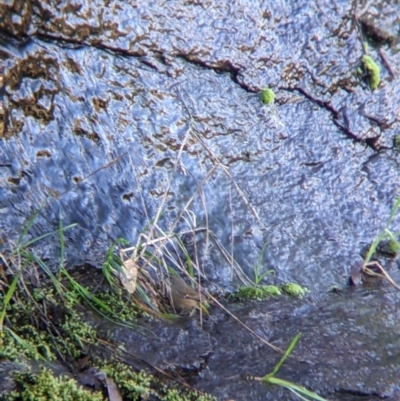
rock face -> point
(114, 113)
(113, 110)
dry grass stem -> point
(383, 274)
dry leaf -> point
(128, 276)
(113, 391)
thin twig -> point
(274, 347)
(386, 62)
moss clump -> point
(373, 71)
(76, 334)
(388, 248)
(45, 387)
(394, 247)
(122, 308)
(267, 96)
(27, 339)
(132, 385)
(135, 386)
(30, 344)
(258, 293)
(263, 292)
(177, 395)
(294, 290)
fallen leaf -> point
(113, 391)
(128, 276)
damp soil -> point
(107, 106)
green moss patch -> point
(262, 292)
(135, 386)
(294, 290)
(42, 327)
(267, 96)
(45, 387)
(372, 69)
(258, 293)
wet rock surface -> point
(343, 353)
(95, 122)
(380, 23)
(105, 107)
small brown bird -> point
(181, 295)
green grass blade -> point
(257, 267)
(86, 294)
(53, 278)
(295, 387)
(106, 269)
(99, 306)
(390, 235)
(267, 273)
(62, 243)
(393, 212)
(32, 241)
(113, 262)
(287, 353)
(10, 293)
(384, 234)
(374, 245)
(298, 394)
(189, 262)
(27, 227)
(143, 295)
